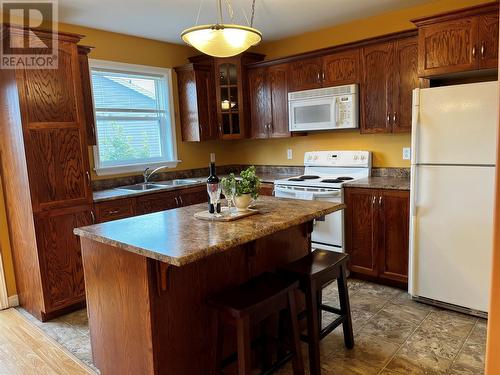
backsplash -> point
(263, 170)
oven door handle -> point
(316, 194)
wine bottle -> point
(214, 181)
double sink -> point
(146, 186)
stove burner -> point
(332, 181)
(296, 179)
(309, 177)
(345, 178)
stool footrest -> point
(330, 309)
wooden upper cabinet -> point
(306, 74)
(88, 103)
(197, 103)
(448, 47)
(55, 132)
(268, 99)
(458, 41)
(341, 68)
(376, 88)
(488, 41)
(260, 102)
(278, 83)
(405, 79)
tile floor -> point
(393, 335)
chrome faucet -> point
(147, 175)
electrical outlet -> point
(289, 154)
(406, 153)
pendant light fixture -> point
(223, 40)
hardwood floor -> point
(25, 349)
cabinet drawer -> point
(157, 202)
(113, 210)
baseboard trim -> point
(14, 301)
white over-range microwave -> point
(329, 108)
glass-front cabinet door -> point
(229, 98)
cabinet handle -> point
(92, 215)
(474, 51)
(394, 118)
(373, 200)
(180, 199)
(388, 119)
(220, 128)
(482, 50)
(319, 77)
(112, 212)
(176, 201)
(323, 75)
(87, 174)
(380, 200)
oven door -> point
(328, 232)
(312, 114)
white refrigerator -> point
(452, 195)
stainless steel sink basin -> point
(178, 182)
(141, 187)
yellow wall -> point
(387, 148)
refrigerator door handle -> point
(414, 125)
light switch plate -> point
(406, 153)
(289, 154)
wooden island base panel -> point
(147, 290)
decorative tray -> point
(225, 215)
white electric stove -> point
(324, 174)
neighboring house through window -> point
(134, 117)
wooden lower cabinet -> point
(377, 234)
(60, 257)
(266, 189)
(146, 204)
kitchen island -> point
(148, 278)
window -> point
(134, 120)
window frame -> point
(166, 74)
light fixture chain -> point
(253, 13)
(199, 12)
(230, 9)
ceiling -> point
(165, 19)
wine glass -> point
(214, 191)
(229, 191)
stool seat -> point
(316, 262)
(253, 294)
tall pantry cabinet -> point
(45, 169)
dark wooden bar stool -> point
(250, 304)
(316, 270)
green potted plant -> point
(247, 187)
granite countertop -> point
(176, 237)
(112, 194)
(392, 183)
